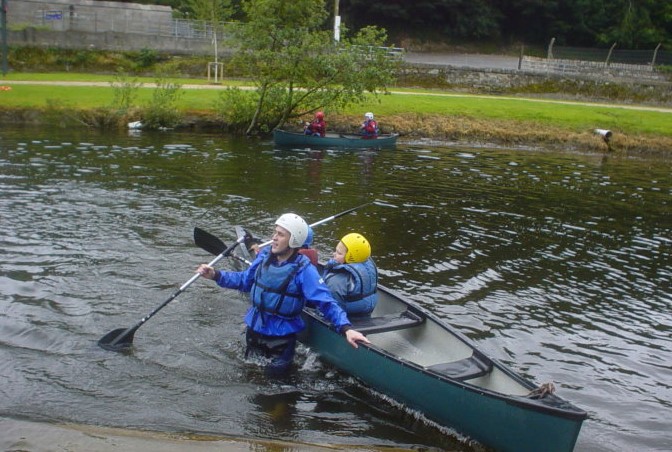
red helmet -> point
(319, 115)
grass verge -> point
(413, 113)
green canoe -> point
(427, 365)
(424, 363)
(283, 138)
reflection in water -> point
(558, 265)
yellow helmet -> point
(358, 247)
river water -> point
(557, 264)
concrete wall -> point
(89, 15)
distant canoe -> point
(283, 138)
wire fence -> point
(157, 21)
(651, 57)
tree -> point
(213, 12)
(634, 25)
(458, 19)
(297, 68)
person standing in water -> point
(281, 282)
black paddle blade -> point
(208, 242)
(117, 340)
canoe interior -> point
(431, 346)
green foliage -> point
(190, 66)
(34, 59)
(235, 107)
(297, 67)
(162, 110)
(72, 59)
(147, 57)
(38, 59)
(64, 114)
(632, 24)
(454, 19)
(125, 91)
(211, 10)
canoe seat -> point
(474, 366)
(390, 322)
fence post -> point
(655, 54)
(3, 24)
(549, 54)
(522, 53)
(606, 63)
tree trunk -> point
(253, 123)
(288, 105)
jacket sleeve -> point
(239, 280)
(317, 294)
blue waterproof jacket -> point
(305, 287)
(353, 285)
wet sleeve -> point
(317, 295)
(241, 281)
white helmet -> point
(368, 115)
(297, 227)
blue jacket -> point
(309, 287)
(353, 285)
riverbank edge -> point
(428, 129)
(437, 129)
(36, 436)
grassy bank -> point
(437, 114)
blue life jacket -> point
(362, 298)
(275, 291)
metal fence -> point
(651, 57)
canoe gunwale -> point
(285, 138)
(550, 404)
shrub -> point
(162, 109)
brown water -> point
(558, 265)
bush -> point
(146, 58)
(162, 110)
(236, 108)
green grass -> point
(574, 116)
(82, 77)
(565, 115)
(86, 97)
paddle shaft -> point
(213, 244)
(129, 332)
(317, 223)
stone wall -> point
(492, 80)
(595, 69)
(111, 40)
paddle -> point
(214, 245)
(122, 338)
